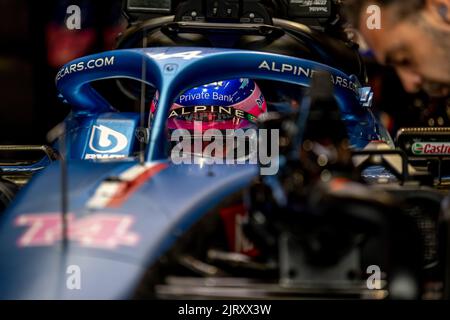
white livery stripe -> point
(135, 171)
(108, 190)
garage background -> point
(29, 107)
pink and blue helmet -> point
(228, 104)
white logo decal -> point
(106, 140)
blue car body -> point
(161, 200)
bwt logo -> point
(107, 140)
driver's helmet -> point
(229, 104)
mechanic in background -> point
(413, 37)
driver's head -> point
(222, 105)
(413, 37)
(226, 106)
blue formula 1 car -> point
(109, 214)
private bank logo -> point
(431, 148)
(106, 140)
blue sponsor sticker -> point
(110, 138)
